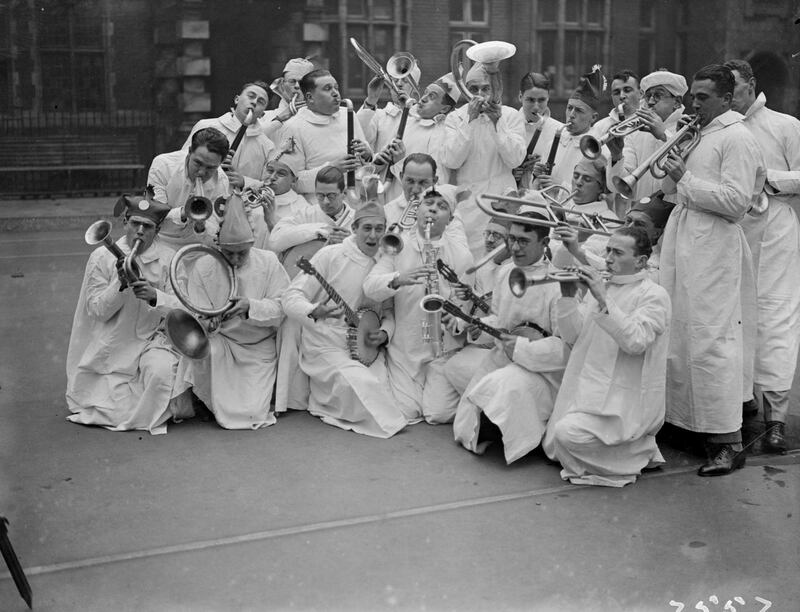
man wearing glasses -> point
(663, 96)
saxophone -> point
(432, 324)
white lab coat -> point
(706, 268)
(286, 205)
(774, 239)
(343, 391)
(318, 141)
(235, 381)
(408, 357)
(482, 156)
(611, 402)
(518, 394)
(120, 367)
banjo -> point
(361, 322)
(437, 303)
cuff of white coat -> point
(166, 301)
(782, 182)
(174, 215)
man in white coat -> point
(179, 175)
(236, 379)
(418, 349)
(540, 126)
(120, 365)
(319, 130)
(663, 96)
(485, 141)
(512, 389)
(611, 403)
(287, 86)
(343, 391)
(706, 268)
(774, 239)
(245, 168)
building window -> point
(571, 36)
(72, 54)
(381, 26)
(469, 19)
(647, 37)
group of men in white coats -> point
(680, 274)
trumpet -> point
(519, 280)
(591, 223)
(99, 232)
(682, 143)
(257, 197)
(591, 147)
(392, 241)
(197, 208)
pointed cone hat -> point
(235, 230)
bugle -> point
(591, 147)
(99, 232)
(682, 143)
(591, 223)
(519, 280)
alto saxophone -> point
(432, 324)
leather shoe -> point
(775, 440)
(723, 462)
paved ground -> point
(302, 516)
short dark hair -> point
(541, 230)
(420, 158)
(721, 76)
(331, 175)
(744, 68)
(625, 74)
(309, 81)
(534, 79)
(641, 241)
(260, 84)
(212, 139)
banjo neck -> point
(454, 310)
(350, 315)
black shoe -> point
(775, 440)
(724, 462)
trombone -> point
(399, 67)
(557, 215)
(682, 143)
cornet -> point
(682, 143)
(519, 280)
(198, 208)
(591, 147)
(392, 241)
(100, 232)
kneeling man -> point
(612, 399)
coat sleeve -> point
(635, 331)
(741, 178)
(158, 177)
(299, 297)
(291, 231)
(457, 140)
(103, 297)
(268, 311)
(509, 138)
(570, 315)
(376, 284)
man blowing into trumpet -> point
(706, 268)
(120, 365)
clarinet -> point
(432, 325)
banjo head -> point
(290, 256)
(368, 321)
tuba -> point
(183, 327)
(490, 54)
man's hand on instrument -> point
(461, 291)
(377, 338)
(346, 163)
(144, 291)
(509, 343)
(268, 206)
(475, 107)
(123, 278)
(416, 276)
(323, 311)
(234, 178)
(616, 145)
(493, 110)
(675, 166)
(361, 150)
(239, 308)
(337, 234)
(652, 123)
(374, 90)
(591, 277)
